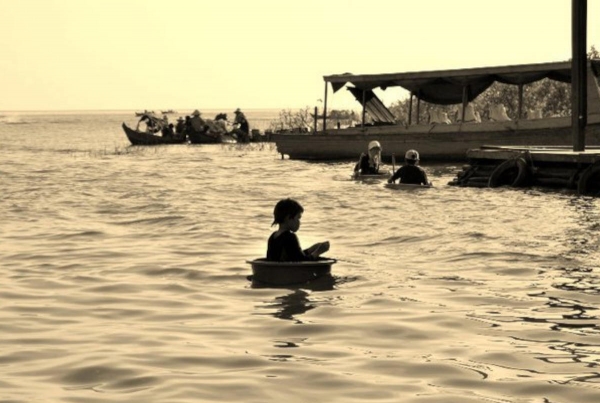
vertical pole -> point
(364, 111)
(410, 108)
(324, 109)
(465, 102)
(579, 73)
(520, 113)
(418, 108)
(316, 117)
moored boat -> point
(138, 138)
(444, 140)
(287, 273)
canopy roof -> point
(446, 87)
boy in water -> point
(283, 245)
(410, 173)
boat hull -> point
(287, 273)
(203, 138)
(138, 138)
(434, 142)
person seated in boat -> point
(283, 244)
(151, 126)
(242, 129)
(197, 124)
(410, 173)
(180, 127)
(168, 132)
(368, 164)
(222, 122)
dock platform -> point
(523, 166)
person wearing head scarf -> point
(410, 173)
(369, 162)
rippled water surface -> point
(124, 279)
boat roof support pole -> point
(324, 110)
(465, 101)
(364, 111)
(418, 108)
(410, 108)
(578, 73)
(520, 111)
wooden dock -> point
(522, 166)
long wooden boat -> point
(138, 138)
(205, 138)
(441, 141)
(286, 273)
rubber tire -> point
(586, 179)
(498, 176)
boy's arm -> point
(395, 176)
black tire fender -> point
(514, 172)
(585, 184)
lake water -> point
(124, 278)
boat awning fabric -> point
(446, 87)
(373, 105)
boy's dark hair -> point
(286, 208)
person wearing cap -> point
(368, 163)
(242, 129)
(196, 122)
(410, 173)
(180, 127)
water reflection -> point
(291, 305)
(298, 301)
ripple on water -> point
(124, 278)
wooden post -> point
(418, 108)
(410, 108)
(520, 112)
(316, 117)
(579, 73)
(364, 111)
(324, 109)
(465, 102)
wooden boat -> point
(146, 112)
(287, 273)
(442, 141)
(205, 138)
(138, 138)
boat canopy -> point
(446, 87)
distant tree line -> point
(552, 98)
(303, 120)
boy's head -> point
(411, 157)
(286, 208)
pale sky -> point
(178, 54)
